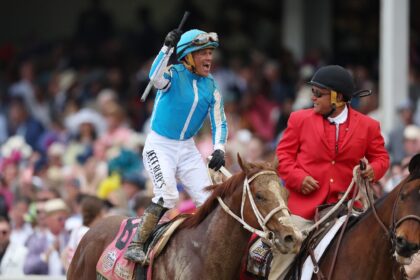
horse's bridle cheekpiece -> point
(262, 221)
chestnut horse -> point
(377, 246)
(211, 243)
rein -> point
(337, 205)
(390, 233)
(262, 221)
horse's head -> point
(265, 207)
(406, 215)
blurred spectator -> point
(92, 210)
(21, 229)
(261, 114)
(363, 81)
(37, 241)
(230, 84)
(396, 136)
(133, 184)
(255, 150)
(117, 131)
(3, 128)
(286, 109)
(45, 246)
(105, 97)
(58, 85)
(279, 91)
(6, 195)
(141, 201)
(414, 91)
(304, 91)
(85, 127)
(24, 88)
(411, 141)
(71, 194)
(12, 254)
(395, 177)
(20, 122)
(56, 132)
(39, 106)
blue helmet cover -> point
(185, 46)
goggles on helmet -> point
(195, 40)
(204, 38)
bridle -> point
(396, 224)
(262, 221)
(391, 231)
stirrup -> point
(137, 255)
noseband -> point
(262, 221)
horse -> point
(211, 243)
(380, 241)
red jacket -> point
(304, 150)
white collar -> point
(341, 118)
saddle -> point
(315, 237)
(113, 266)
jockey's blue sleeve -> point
(162, 78)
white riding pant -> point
(167, 160)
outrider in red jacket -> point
(308, 147)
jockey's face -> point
(322, 100)
(202, 60)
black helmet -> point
(334, 77)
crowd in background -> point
(72, 128)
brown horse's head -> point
(406, 215)
(270, 199)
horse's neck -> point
(368, 238)
(226, 240)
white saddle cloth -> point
(308, 266)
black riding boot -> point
(135, 251)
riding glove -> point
(217, 160)
(172, 38)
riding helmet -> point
(334, 77)
(186, 46)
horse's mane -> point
(224, 189)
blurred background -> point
(72, 126)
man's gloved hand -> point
(172, 38)
(217, 160)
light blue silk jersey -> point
(182, 106)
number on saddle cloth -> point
(126, 233)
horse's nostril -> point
(289, 239)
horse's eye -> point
(259, 197)
(403, 195)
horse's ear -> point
(414, 165)
(242, 164)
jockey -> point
(187, 93)
(320, 148)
